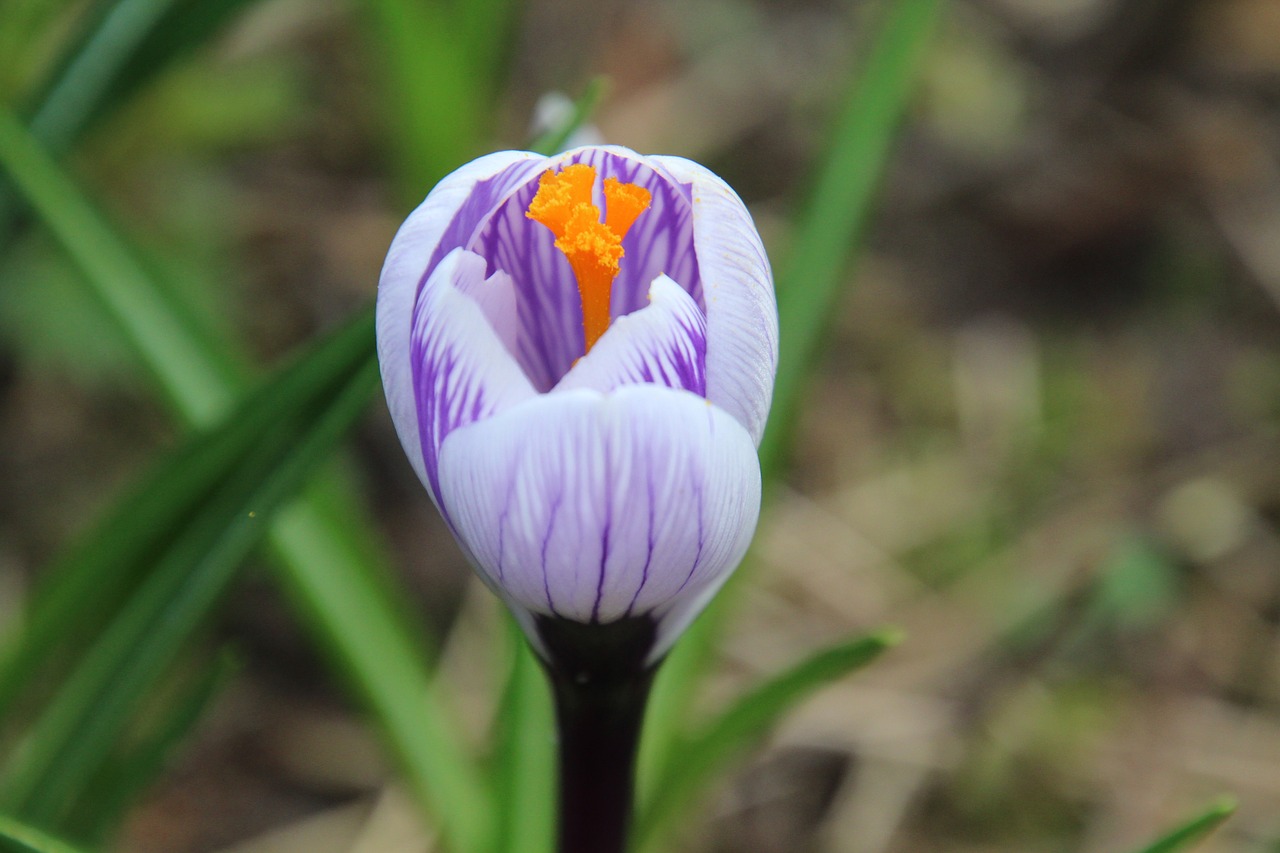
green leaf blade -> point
(80, 726)
(1195, 830)
(341, 588)
(17, 837)
(832, 224)
(707, 753)
(808, 287)
(189, 378)
(524, 755)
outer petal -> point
(594, 507)
(664, 343)
(408, 261)
(461, 370)
(742, 313)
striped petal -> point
(457, 199)
(461, 371)
(592, 507)
(737, 287)
(664, 343)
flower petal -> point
(594, 506)
(461, 370)
(409, 260)
(737, 287)
(664, 343)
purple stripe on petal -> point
(486, 196)
(624, 504)
(742, 313)
(664, 343)
(461, 370)
(403, 273)
(549, 310)
(549, 337)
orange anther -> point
(560, 194)
(593, 248)
(623, 204)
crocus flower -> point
(578, 353)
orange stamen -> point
(594, 252)
(623, 203)
(559, 195)
(593, 248)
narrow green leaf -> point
(435, 106)
(121, 45)
(524, 751)
(351, 615)
(80, 80)
(809, 287)
(192, 382)
(80, 727)
(344, 591)
(17, 837)
(1194, 830)
(705, 755)
(830, 228)
(112, 792)
(85, 586)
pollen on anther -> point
(560, 194)
(586, 239)
(623, 204)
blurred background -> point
(1041, 437)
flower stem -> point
(601, 683)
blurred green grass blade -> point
(487, 27)
(831, 225)
(705, 755)
(342, 589)
(353, 618)
(122, 44)
(86, 70)
(16, 837)
(82, 588)
(808, 287)
(83, 722)
(435, 103)
(112, 792)
(189, 378)
(524, 755)
(1194, 830)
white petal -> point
(407, 261)
(496, 296)
(742, 312)
(663, 343)
(460, 370)
(594, 506)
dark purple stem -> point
(601, 685)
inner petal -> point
(664, 343)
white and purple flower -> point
(583, 394)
